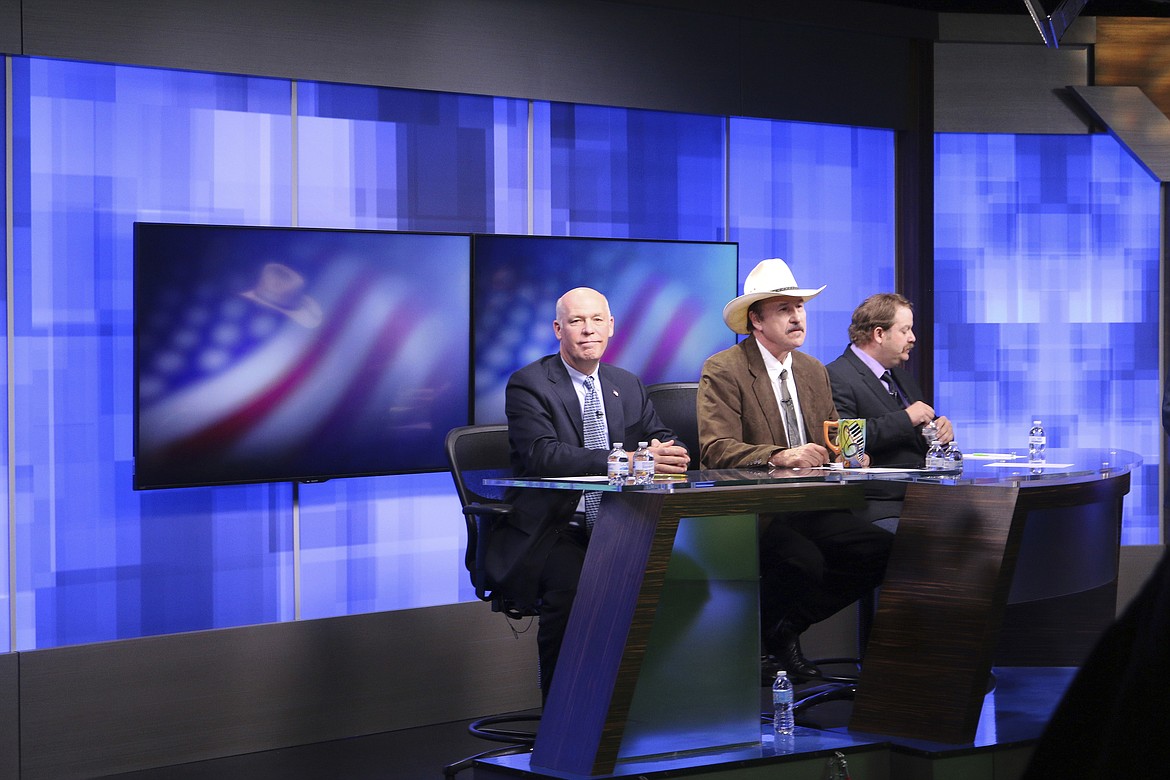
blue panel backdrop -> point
(399, 160)
(393, 159)
(97, 147)
(619, 173)
(1046, 262)
(822, 198)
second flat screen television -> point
(666, 298)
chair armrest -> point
(487, 510)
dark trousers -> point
(814, 564)
(558, 585)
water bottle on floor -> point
(783, 719)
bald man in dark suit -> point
(535, 554)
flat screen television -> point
(666, 298)
(296, 354)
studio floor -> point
(1014, 715)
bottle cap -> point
(617, 444)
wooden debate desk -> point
(1003, 563)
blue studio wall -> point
(1047, 299)
(96, 147)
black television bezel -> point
(437, 467)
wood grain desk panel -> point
(947, 588)
(929, 653)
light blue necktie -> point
(595, 439)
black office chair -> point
(475, 453)
(675, 404)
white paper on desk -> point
(590, 478)
(1028, 465)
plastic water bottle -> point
(934, 455)
(1037, 442)
(643, 464)
(783, 719)
(618, 465)
(952, 456)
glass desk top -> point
(990, 467)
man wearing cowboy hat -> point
(761, 404)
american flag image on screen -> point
(268, 354)
(666, 298)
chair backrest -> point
(675, 404)
(475, 453)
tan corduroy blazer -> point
(740, 425)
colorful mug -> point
(846, 437)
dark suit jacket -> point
(740, 424)
(890, 439)
(547, 438)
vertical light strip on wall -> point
(531, 177)
(296, 493)
(11, 373)
(727, 188)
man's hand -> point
(945, 432)
(920, 413)
(669, 458)
(806, 456)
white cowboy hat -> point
(769, 279)
(283, 289)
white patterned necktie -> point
(789, 410)
(595, 439)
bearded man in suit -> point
(761, 404)
(869, 382)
